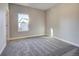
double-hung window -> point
(23, 22)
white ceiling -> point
(41, 6)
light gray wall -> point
(36, 26)
(64, 19)
(3, 11)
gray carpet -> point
(37, 47)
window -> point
(23, 22)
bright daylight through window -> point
(23, 22)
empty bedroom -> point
(39, 29)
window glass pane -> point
(23, 22)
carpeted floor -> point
(37, 47)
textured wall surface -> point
(64, 20)
(36, 26)
(3, 11)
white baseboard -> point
(66, 41)
(25, 37)
(3, 47)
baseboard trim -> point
(2, 48)
(66, 41)
(26, 37)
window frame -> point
(27, 22)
